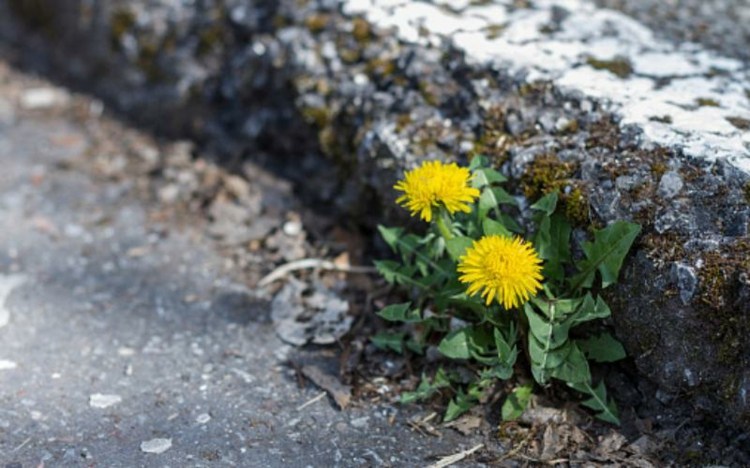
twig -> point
(455, 458)
(307, 263)
(311, 401)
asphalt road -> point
(125, 341)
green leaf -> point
(552, 242)
(390, 236)
(546, 358)
(426, 389)
(591, 309)
(503, 197)
(602, 348)
(575, 368)
(400, 313)
(546, 204)
(606, 408)
(487, 202)
(394, 273)
(549, 332)
(457, 246)
(478, 161)
(511, 223)
(389, 340)
(605, 254)
(456, 344)
(505, 343)
(459, 405)
(486, 176)
(490, 227)
(516, 403)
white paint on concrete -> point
(670, 93)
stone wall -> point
(561, 95)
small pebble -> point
(292, 228)
(203, 418)
(156, 445)
(98, 400)
(7, 365)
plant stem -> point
(441, 221)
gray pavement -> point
(125, 340)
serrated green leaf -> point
(606, 408)
(486, 176)
(503, 197)
(389, 340)
(478, 161)
(426, 389)
(549, 332)
(395, 273)
(516, 403)
(575, 368)
(390, 235)
(546, 204)
(510, 223)
(606, 254)
(457, 246)
(591, 309)
(552, 242)
(487, 202)
(456, 344)
(548, 358)
(602, 348)
(458, 406)
(400, 313)
(490, 227)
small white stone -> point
(203, 418)
(43, 98)
(156, 446)
(292, 228)
(7, 365)
(125, 352)
(99, 400)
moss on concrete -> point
(618, 66)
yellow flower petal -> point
(434, 184)
(503, 269)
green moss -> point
(121, 21)
(665, 119)
(746, 192)
(381, 67)
(210, 38)
(361, 30)
(576, 207)
(658, 169)
(317, 22)
(428, 93)
(319, 116)
(719, 283)
(493, 141)
(739, 122)
(402, 120)
(545, 174)
(620, 67)
(494, 31)
(707, 102)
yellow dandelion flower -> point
(434, 184)
(502, 268)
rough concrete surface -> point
(127, 341)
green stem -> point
(442, 225)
